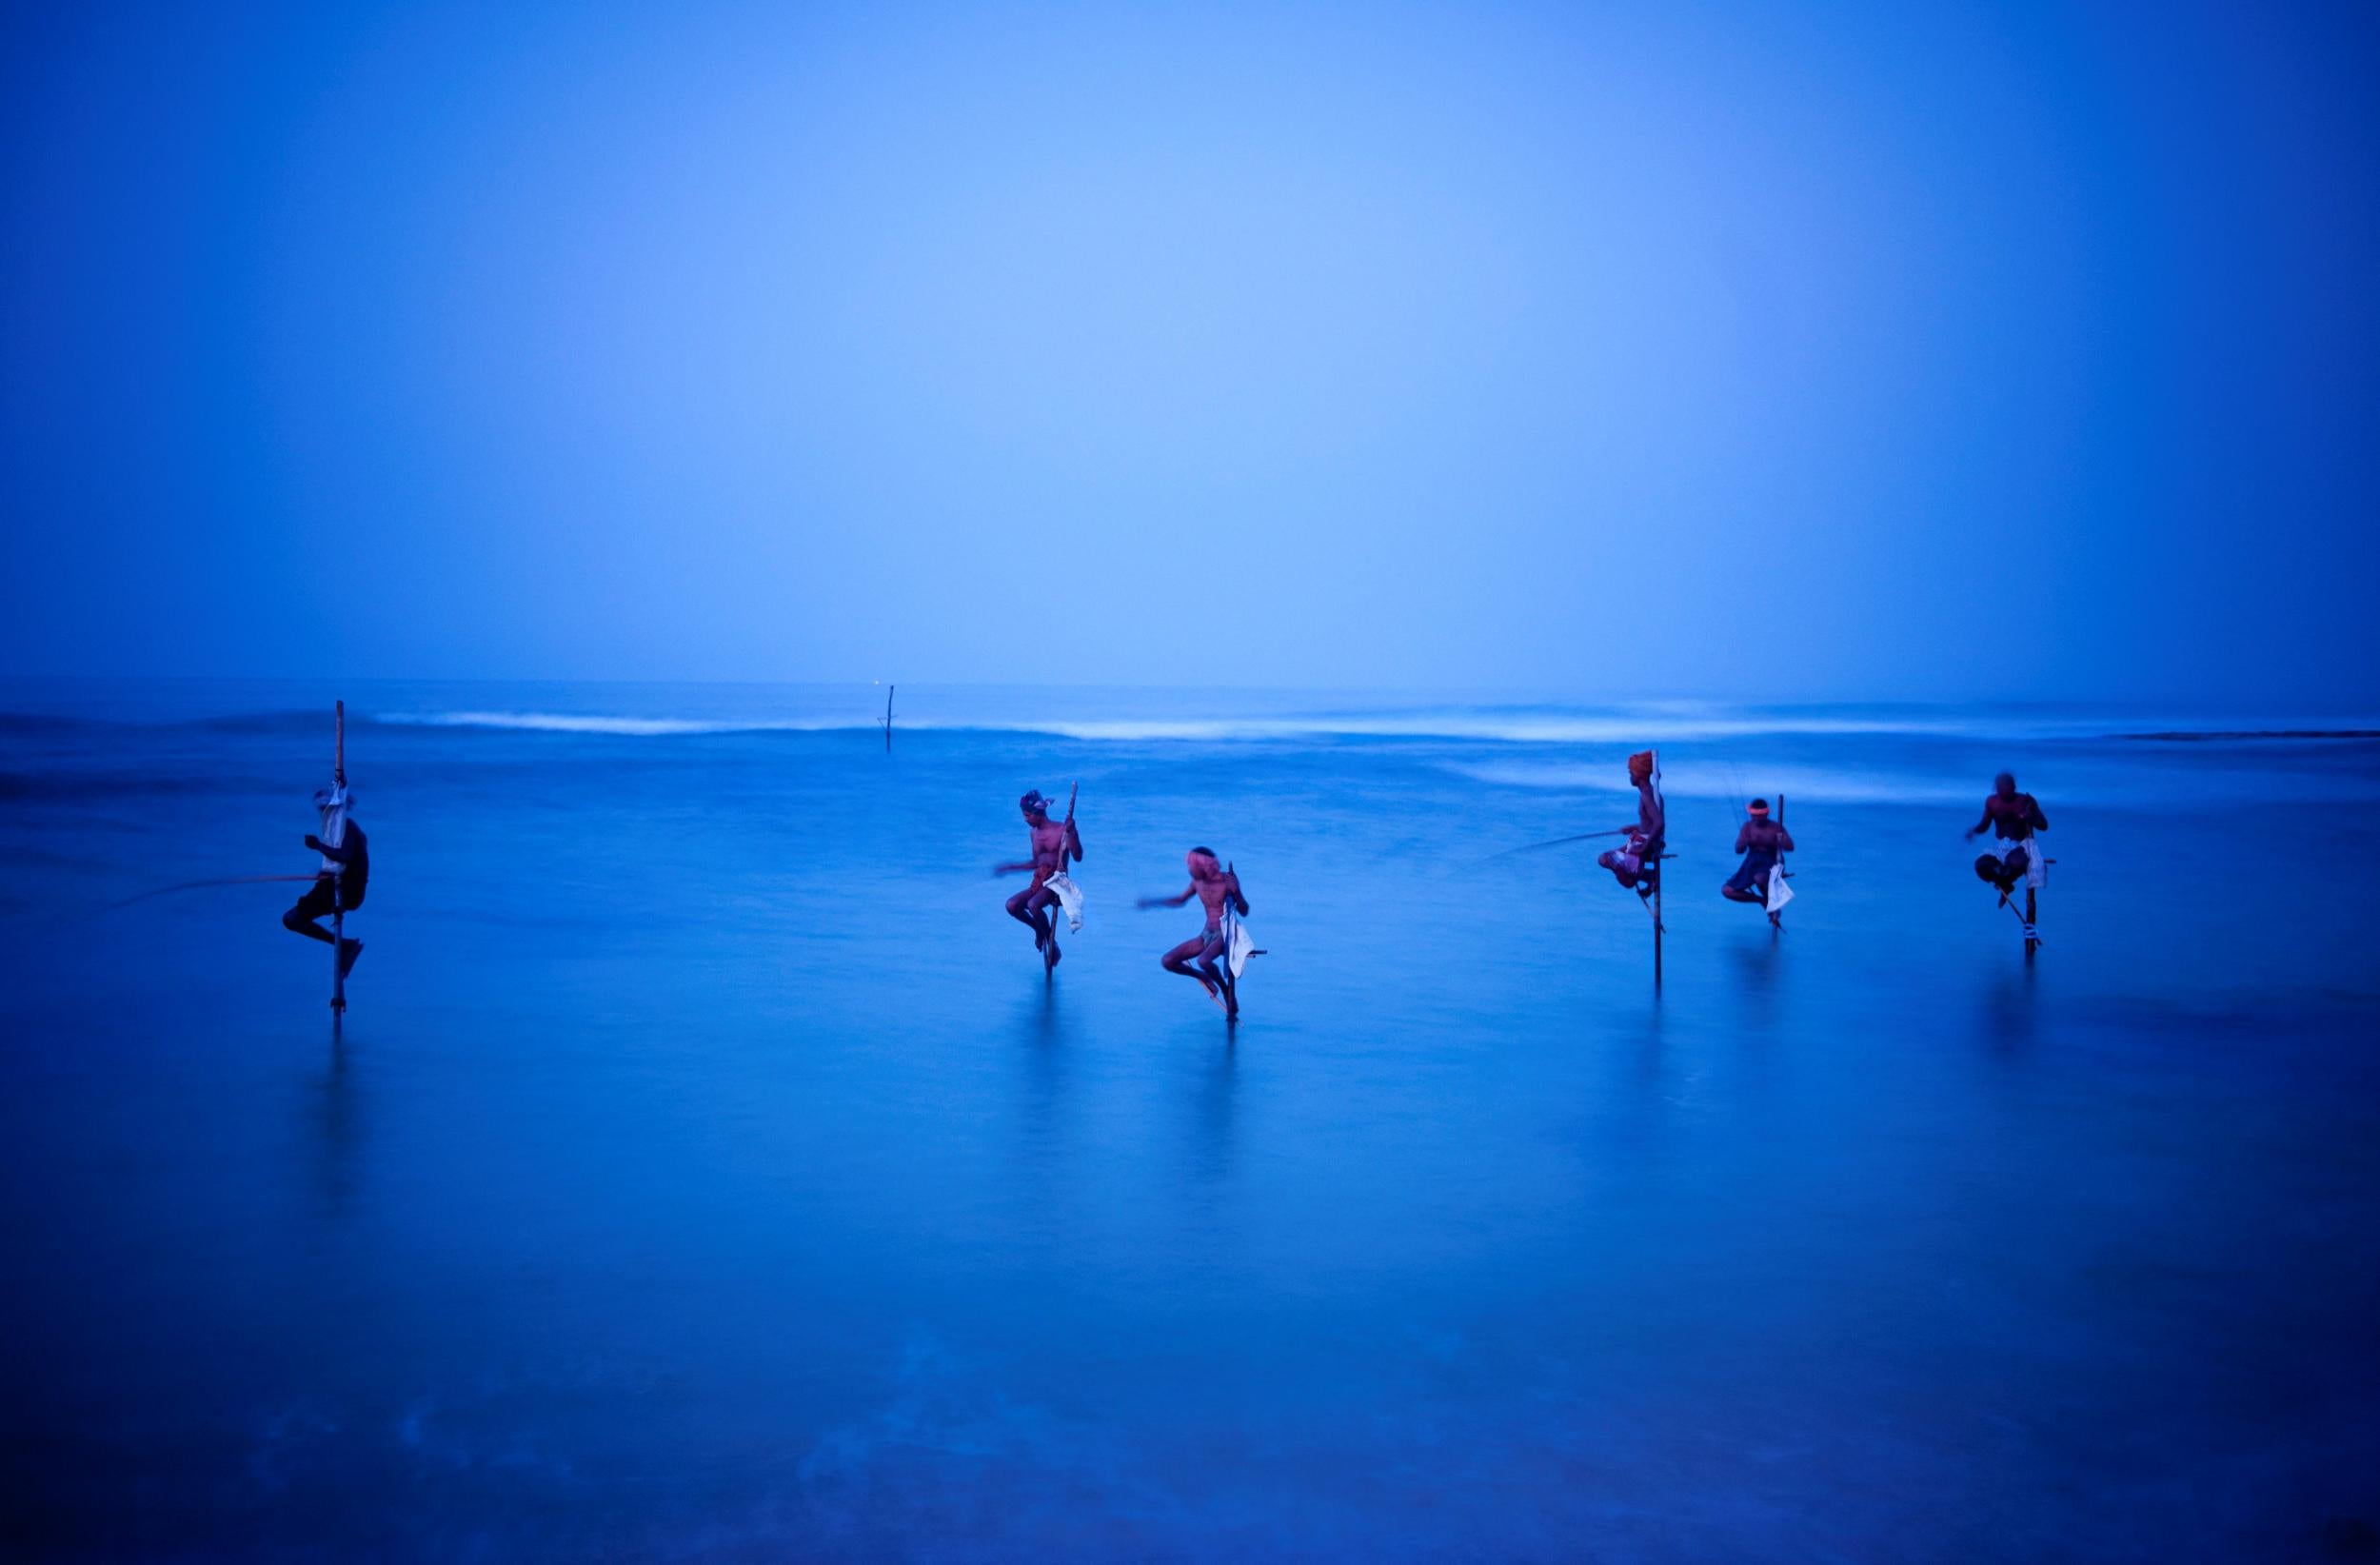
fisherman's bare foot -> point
(1215, 999)
(349, 951)
(1050, 955)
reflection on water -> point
(337, 1131)
(2005, 1012)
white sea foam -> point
(1516, 728)
(1696, 780)
(574, 722)
(1666, 724)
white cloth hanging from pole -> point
(332, 800)
(1069, 897)
(1237, 947)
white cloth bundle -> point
(1069, 899)
(334, 832)
(2036, 866)
(1237, 947)
(1780, 889)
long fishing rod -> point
(195, 885)
(1559, 841)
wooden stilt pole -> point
(1776, 919)
(2032, 942)
(1656, 922)
(888, 695)
(338, 914)
(1657, 875)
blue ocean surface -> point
(706, 1171)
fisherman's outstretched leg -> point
(1039, 904)
(319, 901)
(1214, 963)
(1179, 960)
(1021, 909)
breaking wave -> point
(1693, 779)
(571, 723)
(1516, 728)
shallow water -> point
(707, 1172)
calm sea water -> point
(707, 1171)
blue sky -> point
(1788, 351)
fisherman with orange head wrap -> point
(1637, 865)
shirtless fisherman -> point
(1053, 843)
(1638, 864)
(1216, 886)
(2011, 817)
(1760, 841)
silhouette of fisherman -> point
(2011, 817)
(339, 884)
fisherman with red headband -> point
(1760, 841)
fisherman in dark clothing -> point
(339, 885)
(2011, 817)
(1760, 841)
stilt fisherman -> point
(2012, 818)
(1637, 866)
(339, 884)
(1760, 841)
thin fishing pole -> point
(1559, 841)
(196, 886)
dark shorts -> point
(321, 899)
(1208, 941)
(1753, 876)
